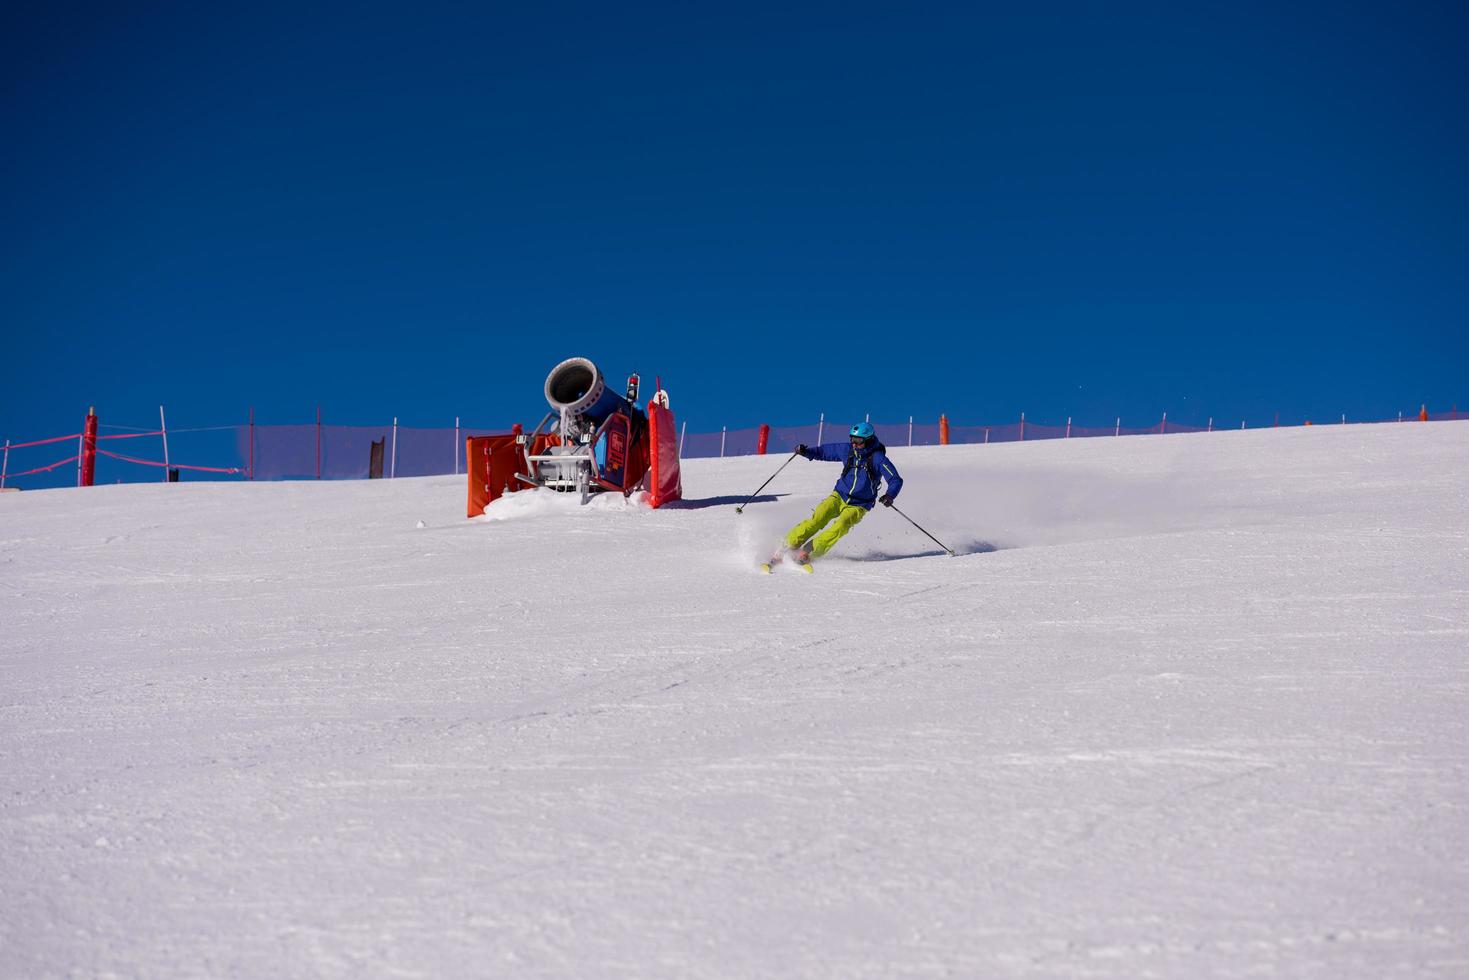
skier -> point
(865, 462)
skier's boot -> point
(802, 558)
(769, 564)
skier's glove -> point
(801, 449)
(886, 500)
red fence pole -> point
(943, 430)
(89, 448)
(763, 441)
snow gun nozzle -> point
(577, 389)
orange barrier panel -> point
(493, 462)
(665, 483)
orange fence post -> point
(943, 430)
(1423, 414)
(763, 441)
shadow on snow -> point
(728, 500)
(970, 547)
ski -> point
(801, 560)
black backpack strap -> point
(872, 463)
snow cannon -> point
(593, 440)
(598, 433)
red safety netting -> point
(43, 469)
(169, 465)
(9, 474)
(42, 442)
(206, 454)
(140, 435)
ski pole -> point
(741, 508)
(930, 536)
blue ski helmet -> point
(863, 430)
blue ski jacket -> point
(860, 471)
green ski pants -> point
(841, 516)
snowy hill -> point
(1184, 706)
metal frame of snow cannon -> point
(572, 469)
(584, 411)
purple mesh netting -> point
(286, 452)
(785, 439)
(282, 452)
(741, 442)
(346, 450)
(1086, 432)
(700, 445)
(979, 434)
(894, 435)
(426, 452)
(1035, 431)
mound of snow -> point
(561, 506)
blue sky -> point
(1090, 210)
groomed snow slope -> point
(1189, 706)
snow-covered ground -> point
(1184, 706)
